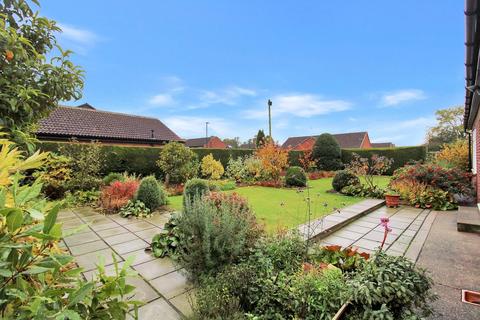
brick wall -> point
(366, 144)
(307, 144)
(216, 143)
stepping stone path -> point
(159, 284)
(359, 226)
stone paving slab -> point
(158, 282)
(323, 226)
(409, 226)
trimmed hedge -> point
(139, 160)
(142, 160)
(223, 154)
(400, 155)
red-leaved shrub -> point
(117, 194)
(454, 181)
(175, 189)
(269, 183)
(320, 174)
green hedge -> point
(223, 154)
(142, 160)
(139, 160)
(400, 155)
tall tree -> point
(35, 72)
(449, 127)
(232, 143)
(260, 138)
(327, 153)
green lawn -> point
(287, 207)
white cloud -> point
(194, 127)
(173, 84)
(81, 36)
(401, 96)
(420, 123)
(301, 105)
(402, 132)
(162, 100)
(228, 96)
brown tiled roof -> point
(292, 142)
(197, 142)
(345, 140)
(86, 122)
(382, 145)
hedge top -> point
(142, 160)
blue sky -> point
(379, 66)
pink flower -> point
(384, 221)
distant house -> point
(85, 123)
(345, 140)
(212, 142)
(382, 145)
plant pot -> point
(392, 201)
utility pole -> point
(206, 134)
(269, 118)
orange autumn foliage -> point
(274, 159)
(454, 155)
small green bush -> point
(178, 162)
(87, 161)
(390, 287)
(222, 185)
(236, 169)
(271, 284)
(296, 177)
(166, 242)
(344, 178)
(211, 237)
(135, 209)
(195, 188)
(327, 153)
(364, 191)
(151, 193)
(113, 176)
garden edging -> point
(326, 225)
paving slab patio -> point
(409, 228)
(159, 284)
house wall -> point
(366, 144)
(476, 155)
(216, 143)
(307, 144)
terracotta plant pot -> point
(392, 201)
